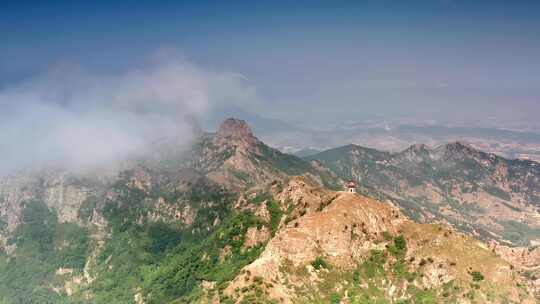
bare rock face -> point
(256, 236)
(235, 158)
(344, 229)
(526, 260)
(56, 190)
(235, 130)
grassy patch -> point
(477, 276)
(275, 215)
(320, 263)
(399, 247)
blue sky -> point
(452, 60)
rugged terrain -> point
(489, 196)
(355, 249)
(231, 220)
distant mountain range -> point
(385, 134)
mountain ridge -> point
(338, 236)
(454, 176)
(196, 226)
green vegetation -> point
(367, 284)
(3, 224)
(495, 191)
(166, 262)
(254, 292)
(519, 233)
(320, 263)
(383, 270)
(399, 247)
(275, 215)
(477, 276)
(387, 236)
(261, 197)
(374, 266)
(43, 245)
(335, 298)
(179, 274)
(87, 208)
(243, 176)
(287, 163)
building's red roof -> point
(350, 184)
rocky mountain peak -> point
(456, 149)
(235, 129)
(415, 153)
(458, 146)
(417, 149)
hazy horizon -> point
(76, 77)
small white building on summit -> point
(350, 186)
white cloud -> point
(80, 119)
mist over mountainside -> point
(264, 152)
(79, 119)
(231, 220)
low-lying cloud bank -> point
(73, 118)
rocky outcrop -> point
(60, 191)
(233, 157)
(235, 130)
(344, 233)
(525, 260)
(255, 236)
